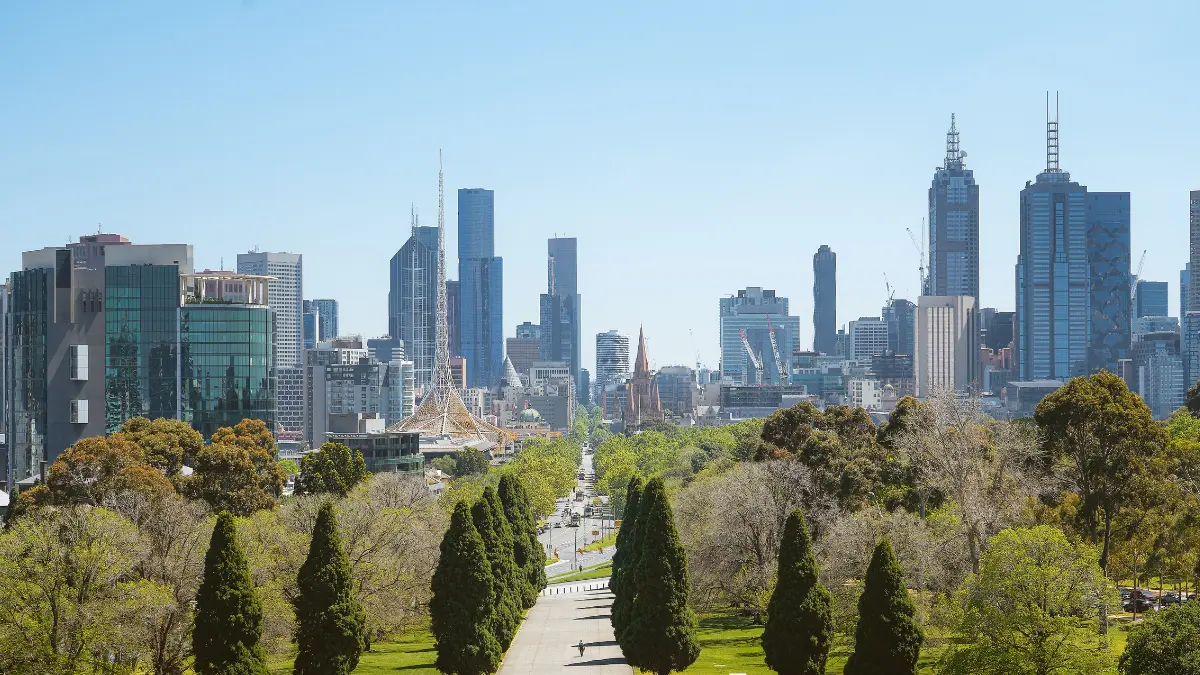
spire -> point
(954, 156)
(1052, 136)
(642, 364)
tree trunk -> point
(1107, 532)
(973, 548)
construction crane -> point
(693, 337)
(891, 292)
(753, 357)
(920, 246)
(1137, 276)
(775, 351)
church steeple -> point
(642, 364)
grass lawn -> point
(730, 644)
(600, 571)
(609, 539)
(412, 653)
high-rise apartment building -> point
(311, 326)
(481, 288)
(947, 344)
(612, 358)
(285, 296)
(327, 310)
(560, 306)
(412, 300)
(1158, 372)
(953, 225)
(1072, 274)
(1193, 266)
(866, 337)
(1151, 298)
(757, 313)
(825, 301)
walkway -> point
(564, 615)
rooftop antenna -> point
(954, 156)
(1052, 136)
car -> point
(1171, 598)
(558, 524)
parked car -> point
(1137, 601)
(1171, 598)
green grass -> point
(411, 653)
(600, 571)
(731, 644)
(609, 539)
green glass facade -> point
(226, 372)
(140, 343)
(28, 321)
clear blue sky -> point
(694, 148)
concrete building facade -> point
(947, 345)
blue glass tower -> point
(953, 226)
(1152, 298)
(560, 307)
(1072, 275)
(480, 288)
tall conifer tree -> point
(623, 558)
(463, 601)
(228, 626)
(888, 638)
(527, 549)
(799, 628)
(497, 545)
(329, 620)
(661, 634)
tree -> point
(469, 462)
(1106, 438)
(661, 635)
(228, 624)
(96, 468)
(622, 558)
(1166, 643)
(497, 545)
(289, 467)
(234, 477)
(463, 601)
(167, 444)
(799, 627)
(334, 469)
(1192, 399)
(528, 553)
(69, 600)
(887, 640)
(329, 619)
(1022, 611)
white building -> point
(865, 338)
(865, 393)
(612, 357)
(285, 295)
(947, 344)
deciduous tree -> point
(1166, 643)
(167, 444)
(232, 477)
(334, 469)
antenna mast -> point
(1052, 136)
(441, 375)
(953, 154)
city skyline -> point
(72, 177)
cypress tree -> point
(622, 559)
(661, 634)
(329, 620)
(463, 601)
(888, 638)
(229, 617)
(527, 549)
(799, 628)
(497, 546)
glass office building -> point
(27, 319)
(953, 226)
(226, 371)
(480, 288)
(140, 349)
(1107, 216)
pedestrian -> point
(580, 646)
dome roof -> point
(530, 415)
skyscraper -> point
(757, 312)
(1072, 275)
(311, 327)
(327, 313)
(412, 300)
(612, 357)
(825, 300)
(560, 306)
(285, 296)
(1185, 279)
(1193, 268)
(481, 288)
(525, 349)
(901, 317)
(1151, 298)
(954, 225)
(868, 336)
(947, 344)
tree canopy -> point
(333, 469)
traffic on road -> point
(579, 519)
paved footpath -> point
(564, 615)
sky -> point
(693, 148)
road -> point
(564, 615)
(566, 539)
